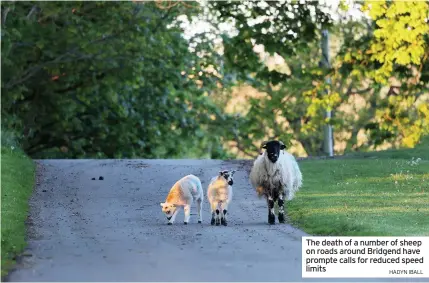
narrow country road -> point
(113, 229)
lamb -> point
(275, 174)
(219, 194)
(182, 194)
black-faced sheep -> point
(274, 175)
(219, 194)
(182, 194)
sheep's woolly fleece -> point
(266, 175)
(185, 190)
(182, 194)
(219, 191)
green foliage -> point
(399, 38)
(110, 79)
(284, 29)
(397, 100)
(300, 98)
(9, 140)
(102, 79)
(402, 117)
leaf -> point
(40, 44)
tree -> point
(103, 79)
(382, 118)
(283, 29)
(396, 59)
(400, 36)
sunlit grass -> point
(419, 151)
(363, 196)
(17, 180)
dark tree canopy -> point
(121, 79)
(102, 79)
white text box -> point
(365, 257)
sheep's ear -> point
(220, 173)
(282, 145)
(264, 144)
(161, 204)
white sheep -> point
(275, 174)
(182, 194)
(219, 195)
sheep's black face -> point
(273, 150)
(228, 176)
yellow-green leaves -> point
(376, 8)
(406, 117)
(399, 37)
(319, 100)
(343, 6)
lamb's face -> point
(228, 175)
(168, 209)
(273, 150)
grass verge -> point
(384, 195)
(17, 180)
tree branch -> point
(165, 16)
(350, 92)
(169, 4)
(33, 9)
(30, 72)
(4, 16)
(240, 147)
(87, 82)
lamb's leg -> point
(224, 211)
(271, 216)
(173, 217)
(200, 210)
(187, 210)
(280, 203)
(213, 209)
(218, 208)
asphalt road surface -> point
(113, 229)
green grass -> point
(17, 180)
(384, 195)
(420, 151)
